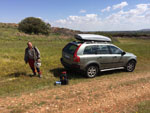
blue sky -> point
(85, 15)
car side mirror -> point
(123, 53)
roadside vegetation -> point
(32, 25)
(143, 107)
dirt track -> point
(114, 94)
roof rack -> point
(89, 42)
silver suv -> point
(94, 53)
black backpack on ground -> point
(64, 78)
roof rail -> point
(89, 42)
(92, 42)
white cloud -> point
(91, 16)
(132, 19)
(140, 9)
(106, 9)
(137, 18)
(82, 11)
(62, 21)
(39, 17)
(120, 6)
(87, 22)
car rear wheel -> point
(91, 71)
(130, 66)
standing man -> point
(32, 56)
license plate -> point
(66, 56)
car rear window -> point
(70, 48)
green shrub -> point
(34, 25)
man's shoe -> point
(40, 76)
(34, 74)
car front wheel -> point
(130, 66)
(91, 71)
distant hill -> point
(64, 31)
(8, 25)
(145, 30)
(143, 33)
(55, 30)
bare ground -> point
(113, 94)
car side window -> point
(103, 49)
(115, 50)
(90, 49)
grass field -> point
(14, 73)
(143, 107)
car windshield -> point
(70, 48)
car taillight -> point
(76, 58)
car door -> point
(89, 55)
(117, 56)
(104, 57)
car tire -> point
(92, 71)
(130, 66)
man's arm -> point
(38, 52)
(26, 56)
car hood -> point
(130, 54)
